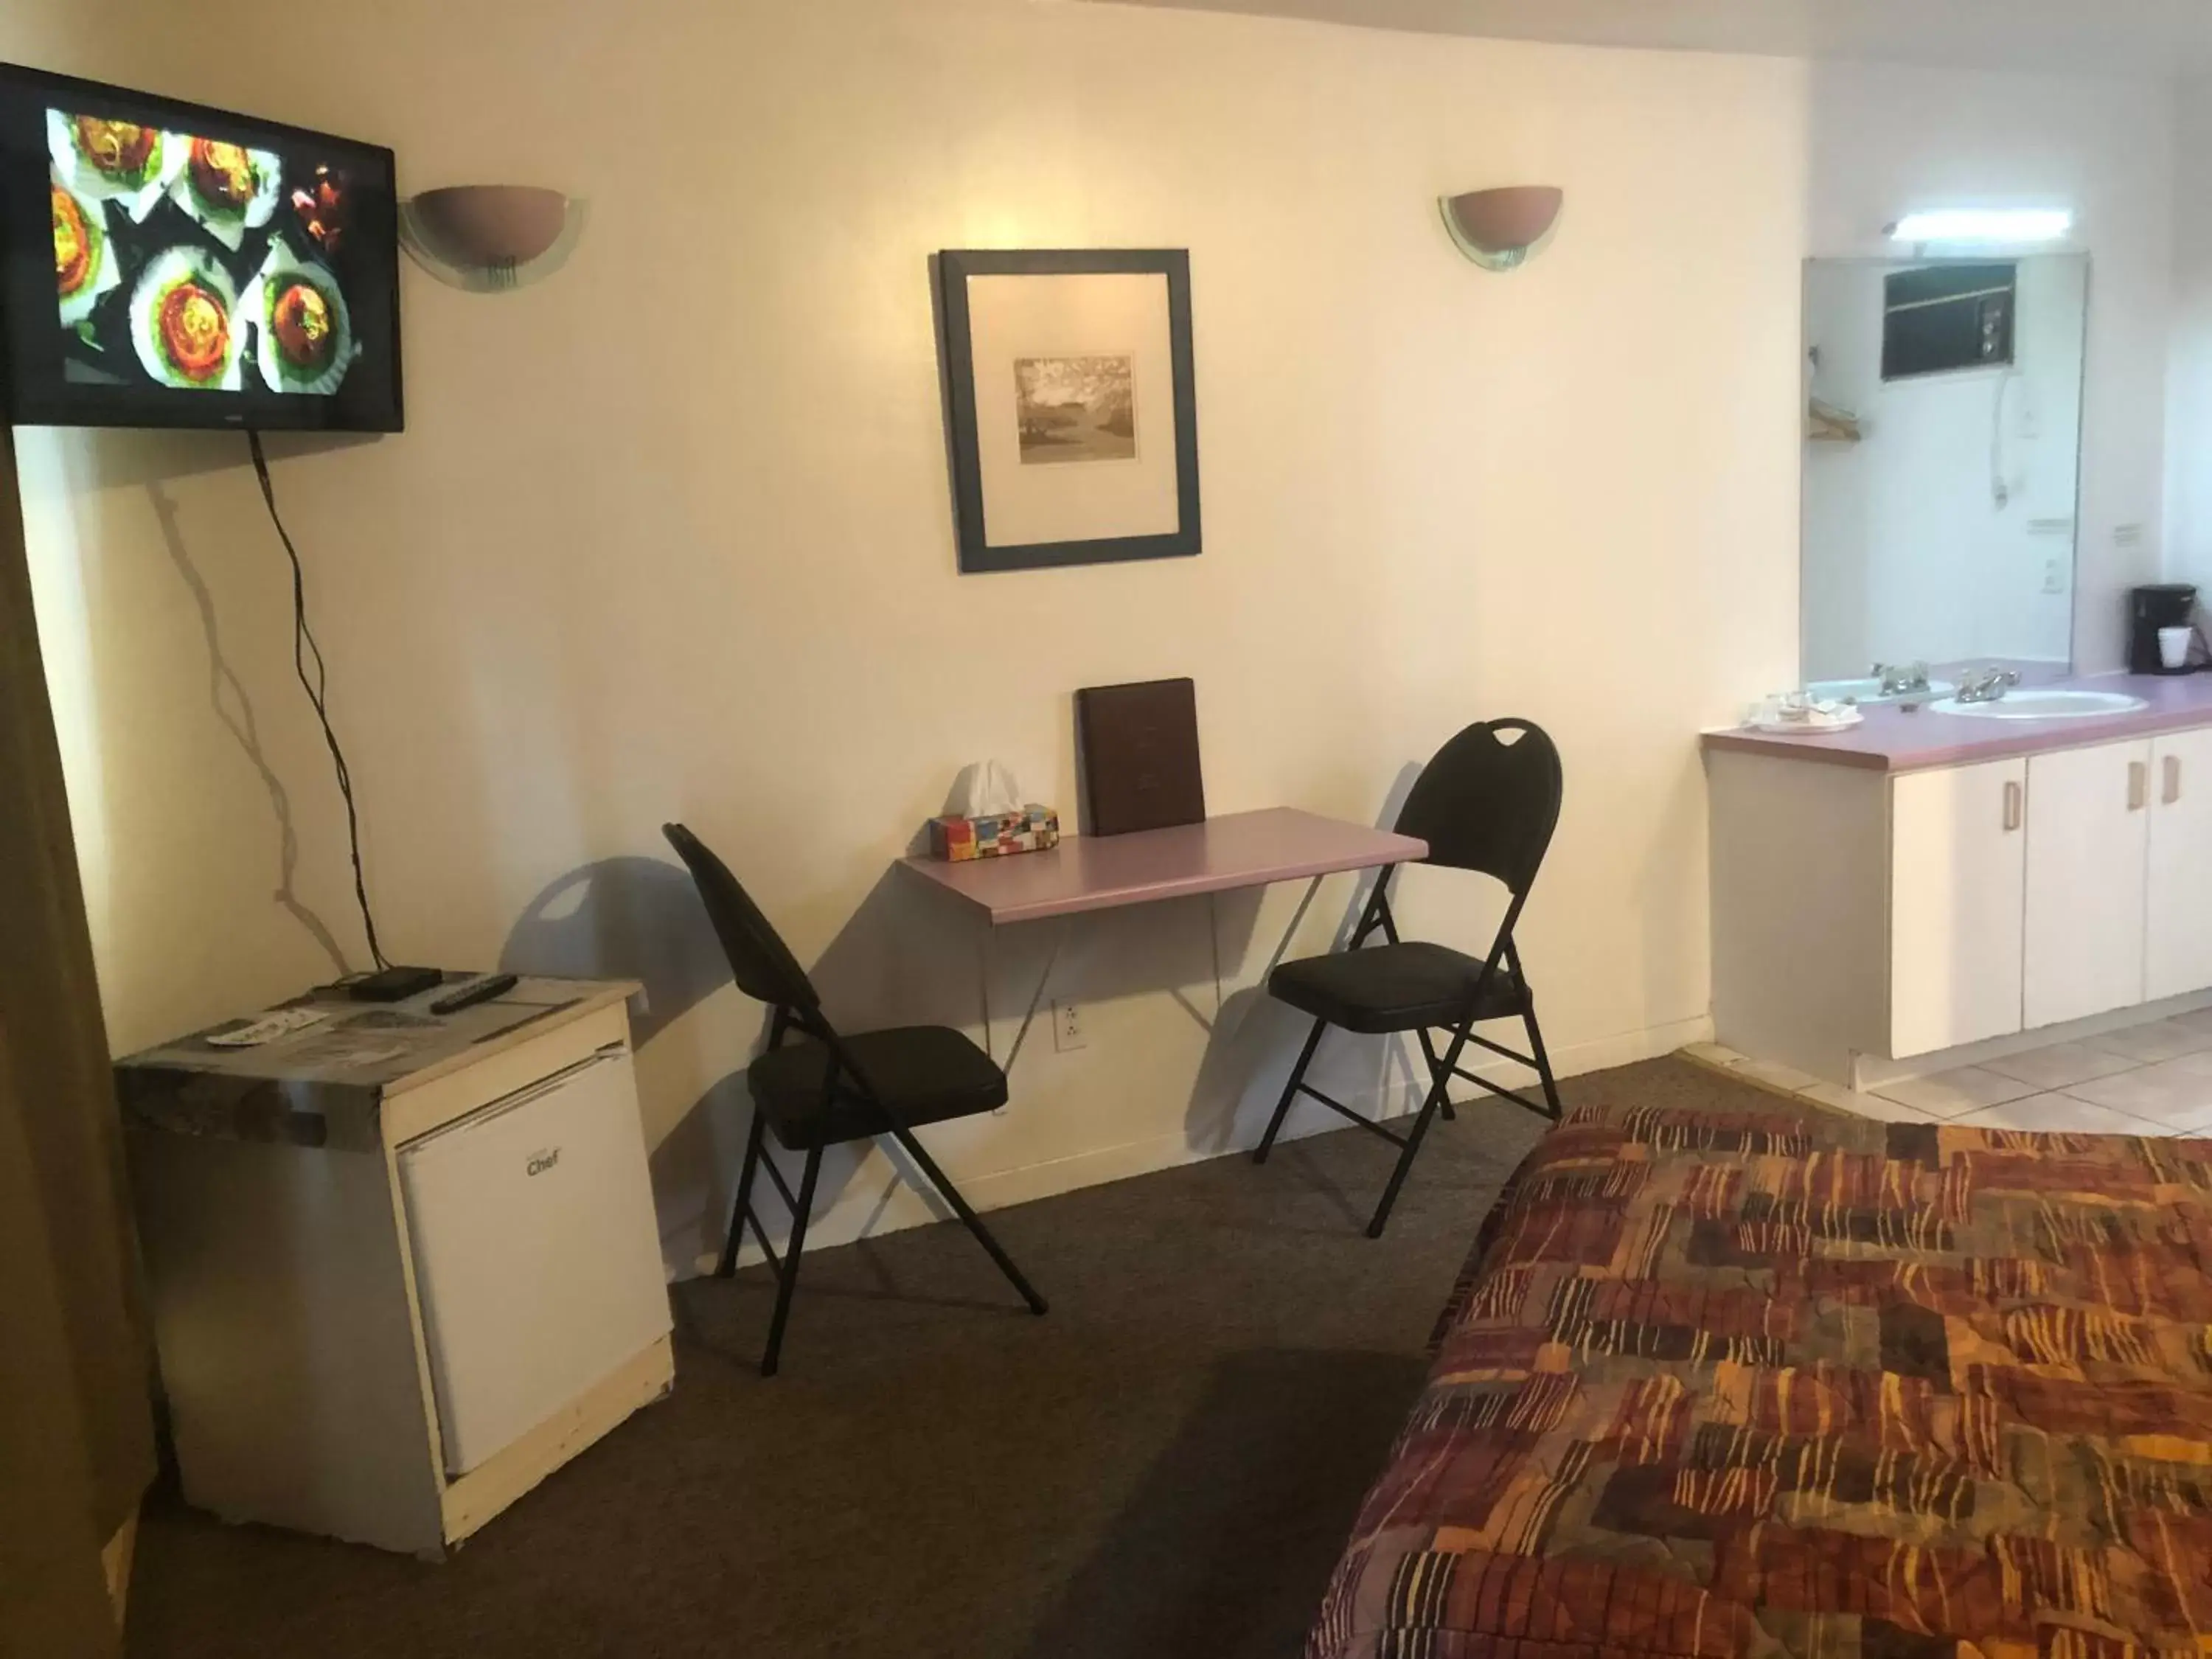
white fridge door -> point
(537, 1254)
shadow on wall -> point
(640, 919)
(1252, 1039)
(911, 954)
(624, 918)
(228, 696)
(899, 960)
(173, 850)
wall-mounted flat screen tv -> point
(163, 264)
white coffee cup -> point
(2173, 645)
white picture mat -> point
(1077, 314)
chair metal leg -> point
(787, 1281)
(728, 1264)
(1289, 1092)
(973, 1222)
(1543, 1059)
(1429, 1054)
(1438, 1088)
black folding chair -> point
(828, 1090)
(1482, 804)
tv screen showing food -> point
(166, 265)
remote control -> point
(476, 991)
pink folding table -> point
(1106, 872)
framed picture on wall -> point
(1072, 417)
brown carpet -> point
(1164, 1466)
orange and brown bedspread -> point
(1809, 1389)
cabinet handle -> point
(2138, 785)
(2172, 779)
(2012, 805)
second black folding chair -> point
(826, 1090)
(1486, 805)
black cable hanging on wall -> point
(305, 649)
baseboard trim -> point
(871, 1212)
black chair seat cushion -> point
(1394, 988)
(925, 1073)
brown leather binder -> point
(1138, 746)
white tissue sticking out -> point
(984, 790)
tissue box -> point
(994, 834)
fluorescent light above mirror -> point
(1985, 225)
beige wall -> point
(668, 536)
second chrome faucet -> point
(1988, 686)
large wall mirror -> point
(1942, 464)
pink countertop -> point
(1099, 873)
(1891, 740)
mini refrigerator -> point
(535, 1252)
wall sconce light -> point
(487, 237)
(1499, 229)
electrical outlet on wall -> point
(1067, 1032)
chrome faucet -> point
(1901, 681)
(1988, 686)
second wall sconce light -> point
(1499, 229)
(487, 237)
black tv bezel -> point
(195, 412)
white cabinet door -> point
(2088, 849)
(1957, 863)
(535, 1252)
(2178, 949)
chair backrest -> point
(1486, 805)
(760, 962)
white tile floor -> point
(2149, 1079)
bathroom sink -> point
(2034, 705)
(1869, 691)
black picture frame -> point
(953, 268)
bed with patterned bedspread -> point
(1815, 1387)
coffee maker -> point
(2161, 604)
